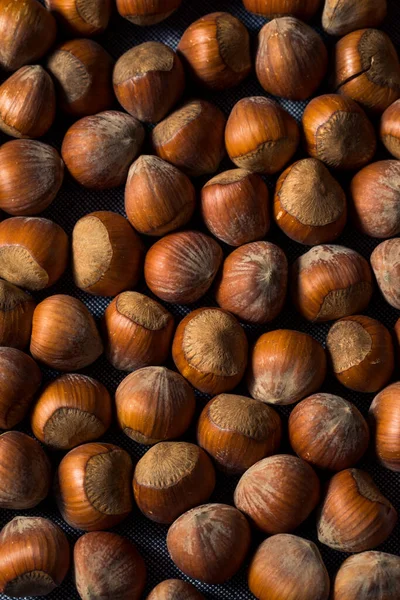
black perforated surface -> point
(73, 202)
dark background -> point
(74, 201)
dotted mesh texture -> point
(74, 201)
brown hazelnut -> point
(344, 16)
(158, 197)
(148, 81)
(390, 129)
(291, 59)
(71, 410)
(328, 432)
(309, 204)
(93, 486)
(33, 252)
(330, 282)
(16, 313)
(34, 554)
(289, 567)
(302, 9)
(107, 565)
(27, 30)
(138, 332)
(107, 254)
(260, 135)
(384, 415)
(368, 576)
(367, 69)
(81, 18)
(354, 515)
(98, 150)
(171, 478)
(31, 174)
(82, 72)
(192, 138)
(25, 471)
(375, 199)
(253, 282)
(338, 132)
(20, 378)
(154, 404)
(397, 337)
(64, 334)
(243, 194)
(285, 366)
(175, 589)
(27, 103)
(278, 493)
(237, 431)
(209, 542)
(210, 350)
(181, 267)
(216, 51)
(147, 12)
(361, 352)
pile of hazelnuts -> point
(96, 485)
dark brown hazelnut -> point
(80, 17)
(344, 16)
(368, 576)
(16, 313)
(175, 589)
(390, 129)
(147, 12)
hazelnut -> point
(27, 103)
(375, 199)
(98, 150)
(237, 432)
(147, 12)
(397, 337)
(82, 72)
(390, 129)
(338, 132)
(330, 282)
(216, 51)
(302, 9)
(71, 410)
(148, 81)
(361, 353)
(210, 542)
(34, 554)
(154, 404)
(291, 59)
(31, 174)
(287, 566)
(210, 350)
(64, 334)
(79, 17)
(93, 486)
(27, 30)
(285, 366)
(368, 576)
(344, 16)
(107, 254)
(16, 313)
(33, 252)
(234, 207)
(253, 282)
(367, 68)
(260, 135)
(384, 415)
(192, 138)
(158, 197)
(354, 515)
(25, 471)
(175, 589)
(20, 378)
(328, 432)
(309, 204)
(181, 267)
(138, 332)
(107, 565)
(171, 478)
